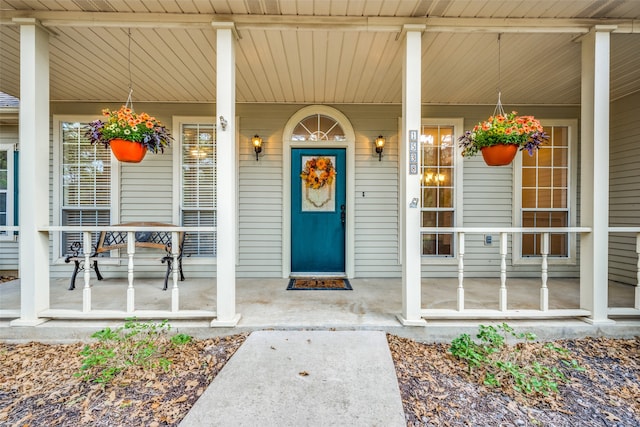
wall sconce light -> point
(380, 146)
(223, 123)
(257, 145)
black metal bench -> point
(112, 240)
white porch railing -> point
(503, 311)
(87, 312)
(635, 310)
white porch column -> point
(594, 173)
(34, 171)
(410, 175)
(226, 175)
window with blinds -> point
(6, 189)
(198, 187)
(86, 182)
(545, 193)
(437, 186)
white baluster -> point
(503, 271)
(175, 293)
(460, 271)
(131, 250)
(86, 290)
(544, 291)
(637, 304)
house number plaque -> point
(413, 152)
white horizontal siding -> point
(146, 192)
(624, 187)
(376, 214)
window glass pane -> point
(3, 205)
(429, 219)
(429, 244)
(560, 156)
(200, 244)
(559, 136)
(559, 198)
(445, 246)
(86, 182)
(86, 169)
(82, 217)
(544, 198)
(528, 198)
(548, 190)
(544, 156)
(438, 203)
(528, 160)
(528, 219)
(560, 177)
(528, 177)
(429, 197)
(318, 127)
(445, 197)
(198, 195)
(544, 177)
(445, 219)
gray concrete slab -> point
(304, 378)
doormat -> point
(319, 284)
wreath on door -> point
(318, 172)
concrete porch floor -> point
(372, 304)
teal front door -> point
(318, 211)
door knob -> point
(343, 214)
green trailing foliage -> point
(134, 344)
(528, 369)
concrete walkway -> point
(304, 378)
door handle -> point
(343, 214)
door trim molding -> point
(349, 145)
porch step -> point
(304, 378)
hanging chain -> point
(129, 103)
(499, 109)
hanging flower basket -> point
(499, 155)
(127, 151)
(129, 131)
(501, 131)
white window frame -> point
(458, 188)
(57, 254)
(572, 165)
(10, 149)
(178, 121)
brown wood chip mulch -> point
(37, 387)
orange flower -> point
(321, 164)
(149, 125)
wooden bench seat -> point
(112, 240)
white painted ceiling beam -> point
(315, 23)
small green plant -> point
(134, 344)
(525, 368)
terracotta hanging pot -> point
(127, 151)
(499, 154)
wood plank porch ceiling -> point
(316, 51)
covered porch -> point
(372, 304)
(413, 78)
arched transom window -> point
(318, 127)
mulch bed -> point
(37, 387)
(437, 389)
